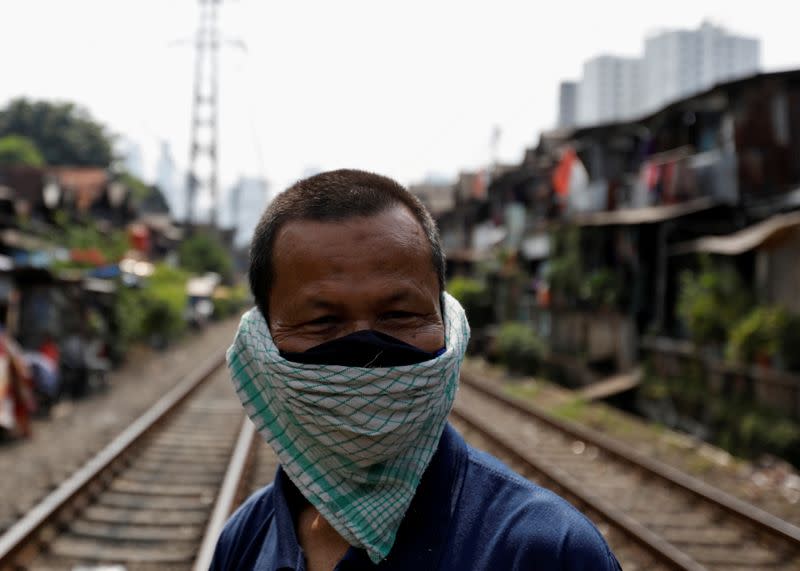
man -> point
(348, 368)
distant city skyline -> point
(673, 64)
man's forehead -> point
(392, 227)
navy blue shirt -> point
(470, 512)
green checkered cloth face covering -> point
(355, 441)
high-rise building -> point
(678, 63)
(248, 199)
(609, 89)
(567, 104)
(167, 182)
(131, 153)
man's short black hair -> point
(327, 197)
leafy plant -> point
(519, 347)
(758, 334)
(601, 288)
(710, 302)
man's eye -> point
(324, 320)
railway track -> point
(156, 497)
(653, 515)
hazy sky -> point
(403, 88)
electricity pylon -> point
(204, 112)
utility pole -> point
(203, 140)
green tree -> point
(204, 252)
(711, 301)
(64, 133)
(17, 150)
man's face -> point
(335, 278)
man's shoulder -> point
(532, 522)
(243, 527)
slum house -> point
(40, 300)
(458, 226)
(634, 188)
(760, 156)
(693, 153)
(767, 252)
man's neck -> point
(322, 545)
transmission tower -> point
(203, 140)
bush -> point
(519, 348)
(153, 312)
(204, 252)
(167, 300)
(751, 431)
(128, 315)
(473, 295)
(710, 302)
(757, 335)
(767, 332)
(736, 423)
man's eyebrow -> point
(404, 294)
(316, 303)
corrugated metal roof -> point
(647, 215)
(744, 240)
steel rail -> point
(750, 514)
(228, 495)
(20, 541)
(665, 552)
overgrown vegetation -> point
(735, 422)
(766, 334)
(710, 302)
(153, 312)
(520, 348)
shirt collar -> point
(281, 549)
(427, 517)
